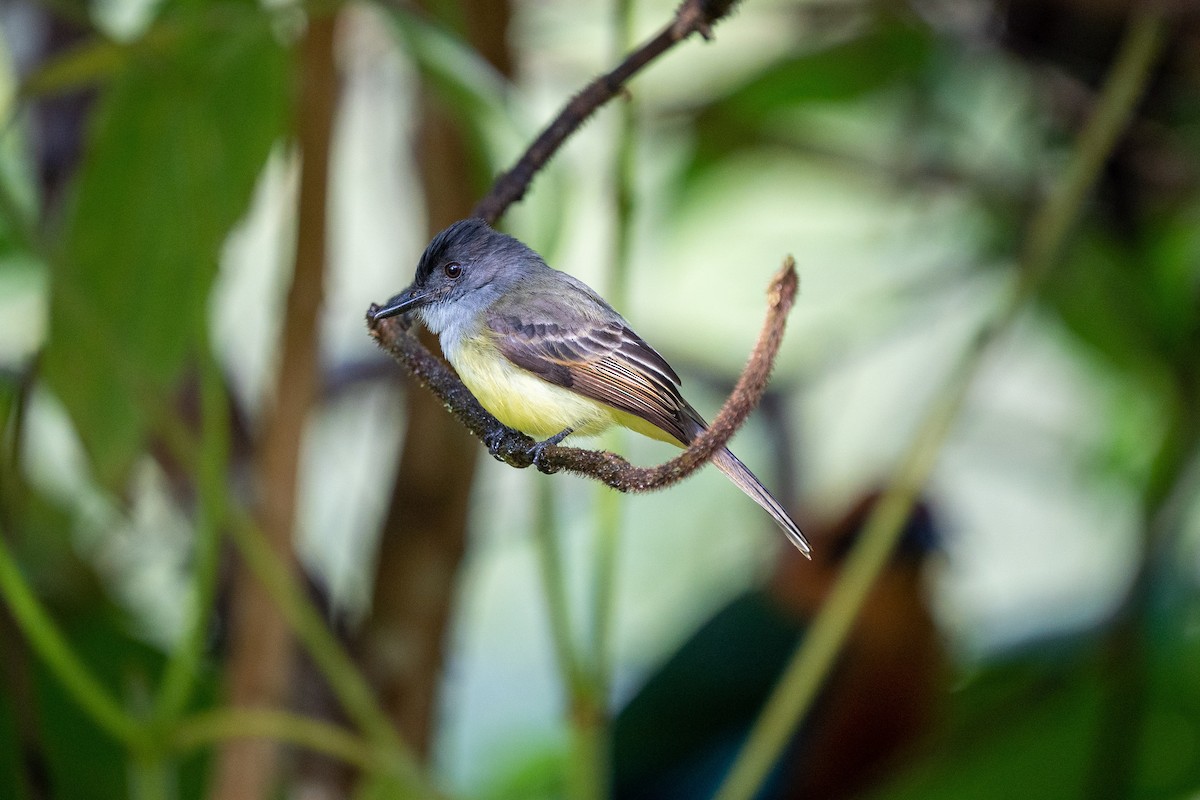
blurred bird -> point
(679, 735)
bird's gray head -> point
(462, 271)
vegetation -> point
(242, 555)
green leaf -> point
(892, 51)
(176, 145)
(1173, 245)
(1137, 306)
(1041, 754)
(887, 54)
(79, 67)
(1027, 724)
(528, 770)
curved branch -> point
(513, 447)
(232, 722)
(692, 16)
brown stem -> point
(261, 645)
(402, 643)
(513, 447)
(692, 16)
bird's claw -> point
(538, 448)
(535, 455)
(492, 440)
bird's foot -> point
(535, 452)
(493, 441)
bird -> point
(545, 354)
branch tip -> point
(784, 285)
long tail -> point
(744, 479)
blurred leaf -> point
(1174, 247)
(1026, 725)
(1167, 760)
(885, 55)
(1024, 728)
(381, 787)
(496, 127)
(529, 772)
(49, 556)
(18, 202)
(81, 66)
(82, 760)
(1137, 307)
(10, 750)
(470, 87)
(1099, 296)
(1169, 757)
(176, 146)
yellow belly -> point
(524, 401)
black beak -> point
(407, 300)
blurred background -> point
(204, 453)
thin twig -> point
(554, 587)
(223, 724)
(585, 769)
(513, 447)
(794, 694)
(180, 674)
(692, 16)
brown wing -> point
(598, 357)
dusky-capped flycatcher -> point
(547, 355)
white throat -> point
(453, 323)
(437, 317)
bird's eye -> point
(452, 269)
